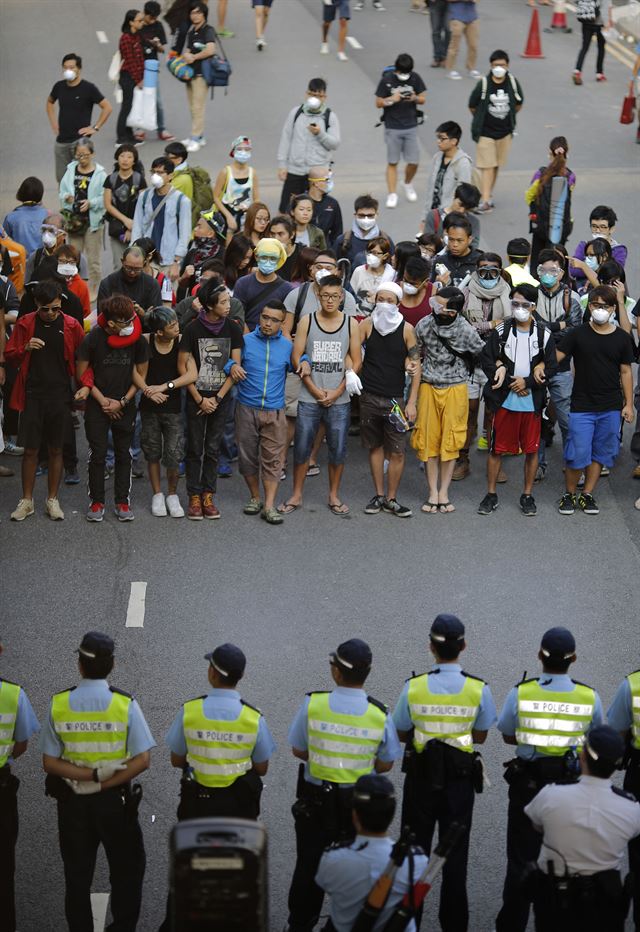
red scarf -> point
(118, 342)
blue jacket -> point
(95, 193)
(176, 232)
(266, 360)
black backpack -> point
(326, 115)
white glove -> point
(354, 385)
(106, 771)
(83, 787)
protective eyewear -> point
(516, 305)
(489, 274)
(554, 271)
(51, 309)
(601, 307)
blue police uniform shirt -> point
(225, 705)
(620, 713)
(95, 696)
(26, 722)
(346, 701)
(449, 680)
(555, 682)
(347, 875)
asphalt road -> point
(289, 595)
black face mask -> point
(443, 320)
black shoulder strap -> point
(262, 296)
(470, 676)
(327, 114)
(120, 692)
(9, 682)
(249, 706)
(532, 679)
(318, 692)
(195, 698)
(378, 704)
(620, 792)
(415, 676)
(467, 358)
(298, 112)
(69, 689)
(303, 291)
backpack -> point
(383, 113)
(202, 192)
(326, 115)
(217, 70)
(553, 210)
(587, 11)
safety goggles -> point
(489, 273)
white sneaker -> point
(185, 142)
(158, 507)
(192, 146)
(55, 512)
(324, 48)
(455, 76)
(24, 509)
(175, 508)
(474, 73)
(410, 191)
(392, 200)
(260, 44)
(359, 6)
(342, 57)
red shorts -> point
(515, 431)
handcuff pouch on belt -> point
(439, 764)
(327, 801)
(536, 773)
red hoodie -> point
(17, 354)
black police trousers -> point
(8, 839)
(589, 904)
(423, 809)
(85, 822)
(523, 848)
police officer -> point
(624, 716)
(441, 715)
(340, 735)
(585, 829)
(17, 724)
(95, 740)
(348, 872)
(546, 717)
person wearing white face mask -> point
(68, 259)
(76, 99)
(367, 278)
(602, 393)
(494, 103)
(236, 186)
(164, 215)
(518, 357)
(353, 244)
(390, 343)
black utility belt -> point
(321, 791)
(610, 880)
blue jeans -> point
(440, 33)
(336, 420)
(560, 386)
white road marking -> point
(102, 36)
(354, 43)
(135, 611)
(99, 904)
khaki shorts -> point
(492, 153)
(292, 388)
(441, 425)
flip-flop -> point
(429, 508)
(287, 508)
(339, 508)
(446, 508)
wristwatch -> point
(96, 128)
(171, 386)
(124, 401)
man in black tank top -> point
(390, 344)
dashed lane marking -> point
(353, 42)
(135, 611)
(102, 36)
(99, 904)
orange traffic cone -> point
(533, 48)
(559, 18)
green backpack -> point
(202, 192)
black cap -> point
(371, 787)
(519, 248)
(447, 628)
(604, 743)
(95, 644)
(353, 655)
(558, 643)
(228, 660)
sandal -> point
(313, 470)
(287, 508)
(339, 508)
(271, 516)
(446, 508)
(429, 508)
(253, 507)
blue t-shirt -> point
(514, 402)
(620, 713)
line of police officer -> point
(95, 741)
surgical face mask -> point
(600, 236)
(366, 223)
(489, 282)
(126, 331)
(409, 289)
(157, 180)
(373, 261)
(49, 239)
(592, 262)
(266, 264)
(498, 71)
(69, 74)
(329, 186)
(521, 314)
(242, 155)
(313, 104)
(402, 77)
(600, 315)
(443, 320)
(322, 273)
(67, 269)
(549, 279)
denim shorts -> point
(594, 437)
(162, 438)
(336, 420)
(329, 10)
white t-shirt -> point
(364, 283)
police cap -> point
(96, 644)
(353, 655)
(558, 643)
(604, 743)
(373, 786)
(228, 660)
(447, 628)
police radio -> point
(218, 876)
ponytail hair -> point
(559, 148)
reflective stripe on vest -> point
(91, 738)
(219, 751)
(342, 747)
(634, 686)
(553, 722)
(445, 716)
(9, 697)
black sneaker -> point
(374, 507)
(488, 504)
(528, 505)
(588, 504)
(567, 504)
(395, 508)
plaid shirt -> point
(440, 367)
(132, 55)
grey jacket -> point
(440, 367)
(299, 150)
(458, 170)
